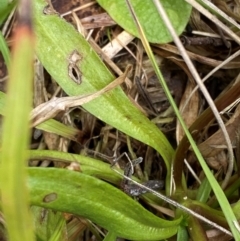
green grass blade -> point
(204, 191)
(5, 50)
(15, 139)
(111, 236)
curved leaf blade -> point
(98, 201)
(54, 48)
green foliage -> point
(4, 49)
(153, 26)
(54, 49)
(98, 201)
(223, 201)
(15, 140)
(6, 7)
(49, 225)
(204, 191)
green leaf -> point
(154, 28)
(110, 237)
(182, 234)
(58, 128)
(4, 50)
(49, 225)
(54, 50)
(15, 138)
(88, 165)
(204, 191)
(98, 201)
(6, 7)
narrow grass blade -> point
(16, 131)
(5, 50)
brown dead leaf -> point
(189, 111)
(219, 161)
(171, 49)
(215, 144)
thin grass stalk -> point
(16, 132)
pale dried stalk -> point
(201, 59)
(211, 73)
(51, 108)
(79, 8)
(220, 12)
(215, 20)
(117, 44)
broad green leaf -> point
(98, 201)
(154, 28)
(54, 50)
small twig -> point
(226, 43)
(206, 34)
(117, 44)
(187, 41)
(79, 8)
(192, 171)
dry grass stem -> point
(51, 108)
(79, 8)
(230, 58)
(117, 44)
(215, 20)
